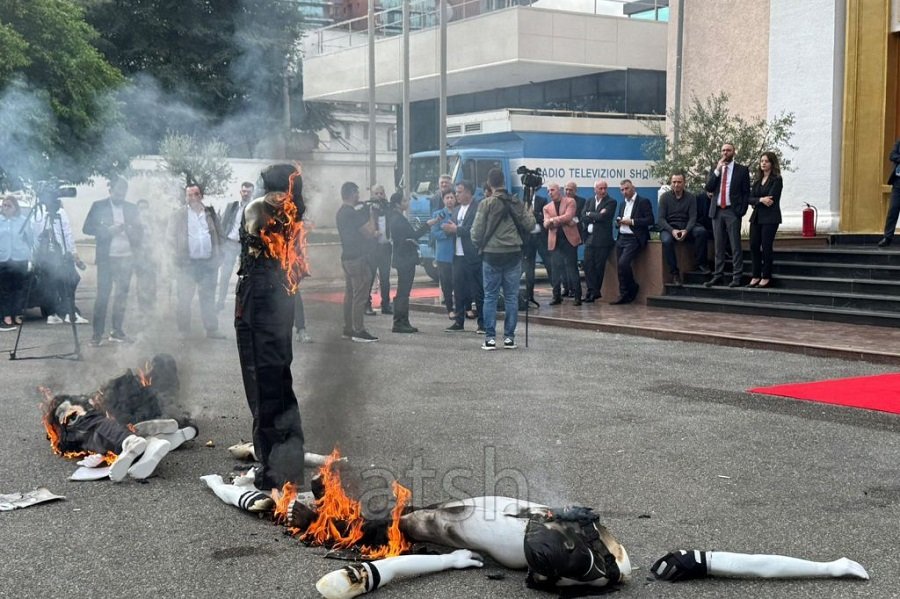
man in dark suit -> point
(890, 223)
(571, 191)
(597, 218)
(534, 246)
(116, 224)
(468, 283)
(729, 182)
(231, 244)
(634, 220)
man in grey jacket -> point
(501, 223)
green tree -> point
(205, 68)
(703, 127)
(56, 104)
(203, 163)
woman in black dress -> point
(765, 197)
(405, 238)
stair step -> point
(871, 256)
(781, 295)
(797, 311)
(833, 284)
(853, 270)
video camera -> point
(379, 207)
(51, 191)
(532, 178)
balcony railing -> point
(424, 14)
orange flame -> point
(339, 521)
(53, 433)
(286, 241)
(397, 543)
(143, 375)
(283, 499)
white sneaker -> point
(54, 319)
(79, 319)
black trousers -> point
(534, 246)
(595, 257)
(565, 267)
(762, 239)
(13, 284)
(627, 249)
(381, 267)
(445, 276)
(890, 223)
(93, 432)
(264, 315)
(701, 241)
(468, 287)
(113, 272)
(405, 275)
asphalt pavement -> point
(659, 437)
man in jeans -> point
(501, 223)
(356, 226)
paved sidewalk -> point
(862, 342)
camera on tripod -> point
(51, 191)
(533, 178)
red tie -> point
(724, 186)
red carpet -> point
(337, 297)
(880, 392)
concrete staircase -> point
(856, 284)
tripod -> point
(64, 289)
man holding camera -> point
(116, 225)
(356, 227)
(501, 225)
(381, 259)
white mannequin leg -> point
(152, 456)
(357, 579)
(245, 497)
(177, 438)
(723, 563)
(132, 447)
(153, 428)
(245, 451)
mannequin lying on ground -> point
(564, 547)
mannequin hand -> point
(680, 565)
(463, 558)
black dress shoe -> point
(884, 242)
(622, 300)
(370, 311)
(703, 269)
(386, 309)
(590, 299)
(577, 301)
(735, 283)
(676, 279)
(556, 301)
(712, 281)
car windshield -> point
(425, 173)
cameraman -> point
(536, 241)
(381, 258)
(356, 226)
(501, 225)
(55, 259)
(406, 256)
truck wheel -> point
(430, 269)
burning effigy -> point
(562, 549)
(123, 429)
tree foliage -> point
(203, 163)
(56, 106)
(703, 128)
(224, 63)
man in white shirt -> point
(195, 234)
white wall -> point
(806, 66)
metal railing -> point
(424, 15)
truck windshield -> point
(425, 173)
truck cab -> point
(469, 164)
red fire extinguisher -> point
(810, 219)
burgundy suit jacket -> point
(563, 220)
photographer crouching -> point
(405, 238)
(501, 226)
